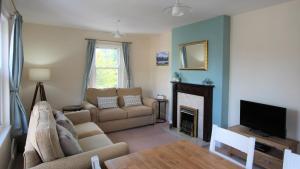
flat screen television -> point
(267, 119)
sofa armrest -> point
(93, 110)
(150, 102)
(83, 160)
(78, 117)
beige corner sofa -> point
(114, 119)
(43, 151)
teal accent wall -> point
(217, 32)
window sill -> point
(4, 131)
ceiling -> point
(137, 16)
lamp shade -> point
(39, 74)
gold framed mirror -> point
(194, 55)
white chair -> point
(234, 140)
(291, 160)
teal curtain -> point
(125, 47)
(18, 114)
(90, 53)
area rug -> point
(144, 137)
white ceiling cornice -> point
(137, 16)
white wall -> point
(265, 61)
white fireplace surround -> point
(193, 101)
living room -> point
(250, 58)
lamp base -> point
(39, 87)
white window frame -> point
(4, 72)
(120, 67)
(112, 68)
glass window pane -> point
(106, 78)
(107, 57)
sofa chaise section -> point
(91, 138)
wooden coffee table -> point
(178, 155)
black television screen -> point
(265, 118)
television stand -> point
(270, 159)
(261, 133)
(262, 147)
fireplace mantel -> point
(205, 91)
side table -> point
(161, 101)
(72, 108)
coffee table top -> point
(178, 155)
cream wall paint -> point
(161, 75)
(63, 51)
(264, 62)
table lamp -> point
(39, 75)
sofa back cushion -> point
(92, 94)
(43, 134)
(127, 91)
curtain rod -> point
(106, 40)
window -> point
(4, 71)
(108, 69)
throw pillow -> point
(62, 120)
(107, 102)
(132, 100)
(68, 143)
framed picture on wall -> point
(162, 58)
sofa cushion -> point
(112, 114)
(87, 129)
(92, 94)
(107, 102)
(68, 142)
(94, 142)
(127, 91)
(137, 111)
(43, 134)
(62, 120)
